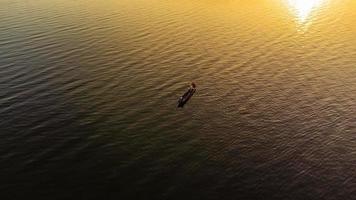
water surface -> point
(88, 93)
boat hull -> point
(185, 98)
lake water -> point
(89, 89)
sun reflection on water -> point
(304, 8)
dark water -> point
(88, 93)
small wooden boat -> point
(186, 96)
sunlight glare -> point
(303, 8)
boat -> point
(186, 96)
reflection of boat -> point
(186, 96)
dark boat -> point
(186, 96)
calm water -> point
(88, 93)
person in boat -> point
(180, 99)
(192, 85)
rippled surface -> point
(88, 93)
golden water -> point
(88, 93)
